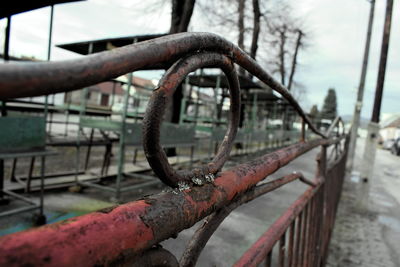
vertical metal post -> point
(373, 127)
(113, 94)
(196, 113)
(217, 87)
(291, 243)
(184, 101)
(14, 166)
(254, 112)
(137, 100)
(121, 153)
(82, 111)
(7, 40)
(42, 170)
(67, 116)
(303, 131)
(6, 58)
(30, 173)
(282, 250)
(322, 166)
(46, 99)
(1, 179)
(89, 148)
(360, 94)
(253, 121)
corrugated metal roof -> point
(106, 44)
(18, 6)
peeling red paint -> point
(109, 236)
(99, 238)
(96, 238)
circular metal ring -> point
(156, 109)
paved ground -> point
(367, 229)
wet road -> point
(367, 230)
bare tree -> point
(267, 22)
(256, 28)
(299, 43)
(181, 14)
(286, 38)
(241, 7)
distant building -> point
(110, 94)
(390, 128)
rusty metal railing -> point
(301, 235)
(129, 233)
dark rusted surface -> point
(129, 233)
(211, 223)
(314, 212)
(100, 238)
(157, 107)
(265, 243)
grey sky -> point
(338, 29)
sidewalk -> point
(367, 232)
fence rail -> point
(129, 233)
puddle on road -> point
(355, 177)
(390, 222)
(390, 172)
(384, 203)
(381, 199)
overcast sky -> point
(333, 59)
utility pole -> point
(360, 93)
(373, 126)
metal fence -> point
(129, 234)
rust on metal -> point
(149, 221)
(129, 234)
(156, 109)
(265, 243)
(211, 223)
(315, 212)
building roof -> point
(143, 86)
(143, 83)
(394, 124)
(18, 6)
(21, 58)
(106, 44)
(390, 120)
(263, 95)
(108, 87)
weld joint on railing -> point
(305, 180)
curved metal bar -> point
(34, 79)
(137, 226)
(212, 222)
(156, 109)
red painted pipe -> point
(259, 250)
(102, 238)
